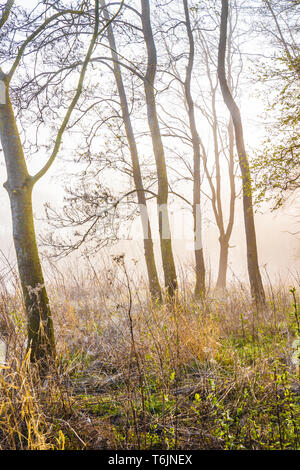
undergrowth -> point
(215, 374)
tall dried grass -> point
(131, 374)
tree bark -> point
(154, 285)
(215, 184)
(199, 259)
(225, 236)
(19, 186)
(163, 190)
(257, 289)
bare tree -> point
(201, 49)
(158, 149)
(222, 136)
(20, 183)
(137, 175)
(276, 165)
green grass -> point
(196, 377)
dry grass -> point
(215, 374)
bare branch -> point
(78, 90)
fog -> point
(278, 242)
(278, 248)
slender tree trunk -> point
(225, 230)
(223, 263)
(199, 259)
(257, 289)
(19, 187)
(225, 237)
(40, 326)
(163, 190)
(226, 234)
(154, 285)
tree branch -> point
(6, 12)
(78, 91)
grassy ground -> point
(216, 374)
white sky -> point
(279, 251)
